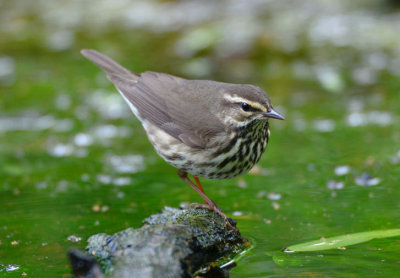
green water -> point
(66, 138)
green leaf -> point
(341, 241)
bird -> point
(204, 128)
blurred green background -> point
(75, 161)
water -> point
(76, 162)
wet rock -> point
(84, 265)
(173, 243)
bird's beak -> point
(273, 114)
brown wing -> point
(178, 106)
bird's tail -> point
(107, 64)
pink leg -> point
(196, 179)
(210, 204)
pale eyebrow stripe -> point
(238, 99)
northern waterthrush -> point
(205, 128)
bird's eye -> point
(245, 106)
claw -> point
(218, 211)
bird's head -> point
(243, 104)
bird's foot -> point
(215, 208)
